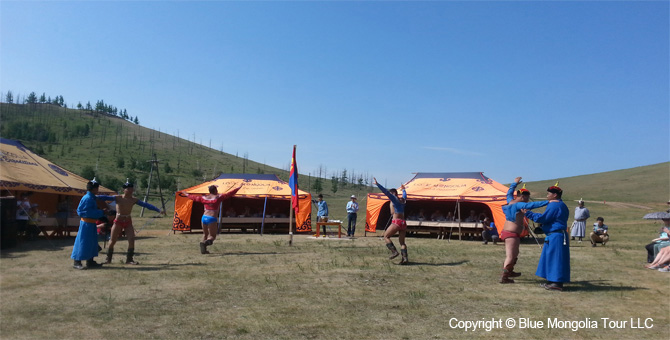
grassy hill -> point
(115, 149)
(645, 184)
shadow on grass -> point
(150, 268)
(598, 285)
(436, 264)
(592, 286)
(241, 253)
(41, 244)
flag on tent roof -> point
(293, 183)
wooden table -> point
(50, 224)
(337, 223)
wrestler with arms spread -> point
(514, 219)
(398, 223)
(123, 221)
(211, 202)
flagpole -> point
(293, 183)
(290, 227)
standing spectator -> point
(599, 233)
(579, 224)
(352, 215)
(63, 211)
(33, 229)
(554, 262)
(321, 212)
(489, 232)
(23, 214)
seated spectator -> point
(422, 215)
(412, 216)
(599, 233)
(437, 216)
(658, 243)
(661, 261)
(489, 232)
(230, 212)
(472, 217)
(450, 217)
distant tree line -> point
(100, 105)
(340, 180)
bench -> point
(50, 224)
(244, 223)
(442, 229)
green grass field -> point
(258, 287)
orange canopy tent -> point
(460, 191)
(256, 189)
(22, 170)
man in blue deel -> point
(86, 242)
(554, 262)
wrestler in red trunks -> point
(398, 224)
(514, 222)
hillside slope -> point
(115, 149)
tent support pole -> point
(218, 222)
(146, 196)
(265, 204)
(460, 234)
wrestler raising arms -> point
(123, 221)
(398, 223)
(211, 202)
(514, 220)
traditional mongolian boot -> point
(90, 264)
(129, 256)
(203, 248)
(78, 265)
(405, 259)
(394, 252)
(506, 274)
(512, 273)
(110, 253)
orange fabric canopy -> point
(23, 170)
(255, 186)
(456, 187)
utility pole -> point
(154, 165)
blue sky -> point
(535, 89)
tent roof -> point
(255, 185)
(455, 185)
(22, 169)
